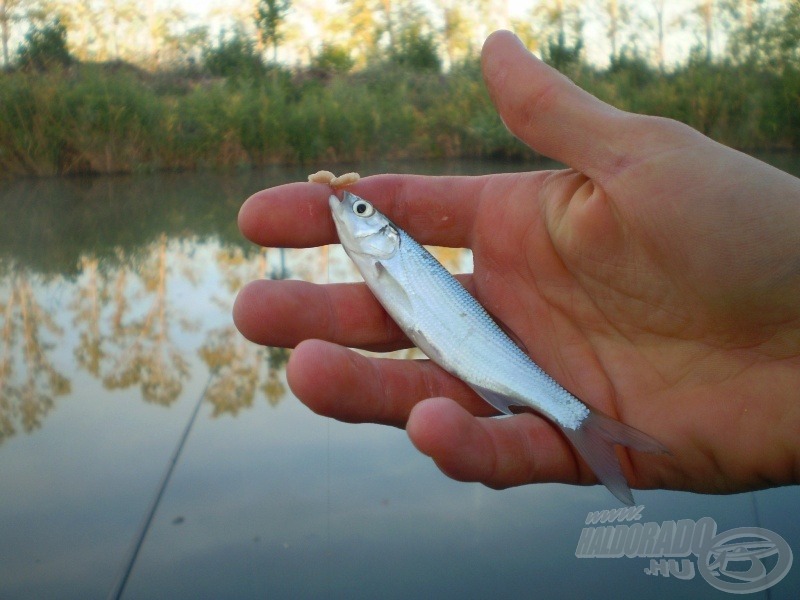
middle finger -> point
(284, 313)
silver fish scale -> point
(447, 323)
(456, 331)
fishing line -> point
(328, 466)
(328, 506)
(757, 521)
(141, 534)
(754, 508)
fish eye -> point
(363, 208)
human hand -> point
(658, 279)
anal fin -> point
(500, 401)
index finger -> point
(435, 210)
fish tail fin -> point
(595, 439)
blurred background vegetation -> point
(111, 86)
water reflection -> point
(238, 365)
(139, 349)
(113, 273)
(135, 302)
(29, 380)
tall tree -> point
(385, 7)
(562, 31)
(377, 25)
(561, 18)
(616, 13)
(85, 21)
(176, 37)
(124, 19)
(7, 10)
(45, 47)
(364, 26)
(456, 29)
(270, 17)
(705, 12)
(13, 11)
(768, 36)
(658, 23)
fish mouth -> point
(337, 212)
(339, 206)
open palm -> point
(657, 279)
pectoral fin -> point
(391, 287)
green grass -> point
(101, 119)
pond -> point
(148, 450)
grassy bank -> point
(105, 119)
(92, 119)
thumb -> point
(551, 114)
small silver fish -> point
(438, 314)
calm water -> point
(115, 298)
